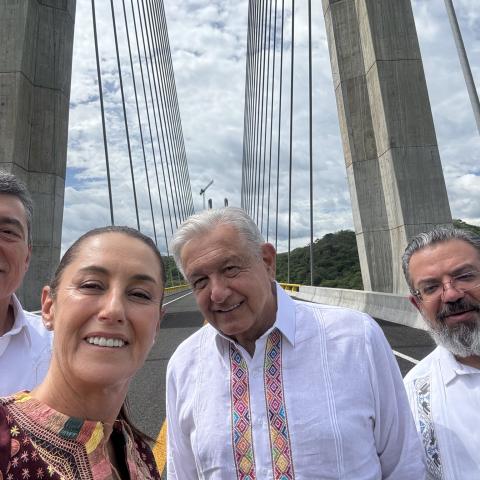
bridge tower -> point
(36, 43)
(393, 164)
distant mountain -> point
(335, 264)
(335, 258)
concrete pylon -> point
(36, 44)
(393, 165)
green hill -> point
(335, 264)
(335, 258)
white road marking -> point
(175, 299)
(406, 357)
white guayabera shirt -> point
(25, 352)
(322, 398)
(444, 396)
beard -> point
(462, 339)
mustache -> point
(461, 305)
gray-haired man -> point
(442, 268)
(277, 389)
(24, 343)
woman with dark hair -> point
(104, 305)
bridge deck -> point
(147, 392)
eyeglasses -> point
(432, 291)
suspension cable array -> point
(150, 113)
(270, 37)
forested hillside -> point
(335, 259)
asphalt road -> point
(147, 392)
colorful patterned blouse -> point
(37, 442)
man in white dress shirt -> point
(442, 268)
(25, 344)
(277, 389)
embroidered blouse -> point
(322, 397)
(37, 442)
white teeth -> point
(106, 342)
(230, 309)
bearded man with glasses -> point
(442, 269)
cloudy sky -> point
(208, 41)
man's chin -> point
(461, 338)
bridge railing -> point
(384, 306)
(176, 288)
(290, 287)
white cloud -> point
(208, 42)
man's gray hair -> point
(204, 222)
(11, 185)
(437, 235)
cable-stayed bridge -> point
(141, 161)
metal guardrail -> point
(178, 288)
(290, 287)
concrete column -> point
(36, 43)
(393, 164)
(360, 151)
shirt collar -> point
(20, 322)
(285, 315)
(285, 320)
(451, 367)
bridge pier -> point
(391, 154)
(36, 44)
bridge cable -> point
(261, 102)
(166, 123)
(292, 60)
(166, 145)
(163, 21)
(255, 110)
(166, 96)
(124, 113)
(243, 200)
(139, 120)
(142, 76)
(162, 108)
(279, 123)
(249, 115)
(266, 112)
(464, 63)
(159, 36)
(252, 101)
(271, 119)
(102, 109)
(154, 114)
(260, 139)
(310, 101)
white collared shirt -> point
(454, 411)
(25, 352)
(347, 415)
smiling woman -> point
(104, 305)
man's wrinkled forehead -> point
(214, 248)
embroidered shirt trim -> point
(427, 429)
(242, 439)
(281, 449)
